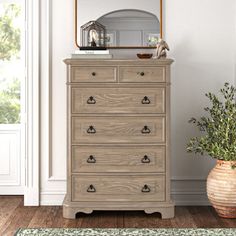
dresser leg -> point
(70, 212)
(166, 212)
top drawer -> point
(142, 74)
(92, 74)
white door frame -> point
(31, 193)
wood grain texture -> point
(118, 62)
(93, 74)
(108, 117)
(119, 188)
(118, 130)
(20, 217)
(185, 217)
(103, 159)
(118, 100)
(142, 74)
(7, 207)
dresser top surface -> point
(148, 62)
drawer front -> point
(118, 188)
(118, 130)
(118, 100)
(118, 159)
(93, 74)
(142, 74)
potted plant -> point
(219, 142)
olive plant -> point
(218, 127)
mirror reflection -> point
(130, 28)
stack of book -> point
(92, 54)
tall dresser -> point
(118, 136)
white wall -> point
(201, 35)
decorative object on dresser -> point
(118, 136)
(162, 46)
(93, 36)
(219, 142)
(144, 55)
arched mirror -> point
(128, 23)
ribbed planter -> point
(221, 188)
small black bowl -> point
(144, 55)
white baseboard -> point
(184, 193)
(52, 198)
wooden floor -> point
(14, 215)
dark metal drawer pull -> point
(91, 159)
(146, 100)
(93, 74)
(91, 189)
(91, 130)
(146, 189)
(145, 130)
(146, 159)
(141, 73)
(91, 100)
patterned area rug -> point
(125, 232)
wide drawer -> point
(118, 130)
(118, 100)
(118, 159)
(142, 74)
(93, 74)
(118, 188)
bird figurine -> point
(162, 46)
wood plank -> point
(138, 219)
(227, 223)
(61, 222)
(203, 218)
(183, 218)
(7, 206)
(44, 217)
(14, 215)
(20, 218)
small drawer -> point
(118, 159)
(150, 130)
(118, 188)
(142, 74)
(93, 74)
(118, 100)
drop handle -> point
(91, 100)
(146, 100)
(91, 130)
(91, 189)
(145, 159)
(91, 159)
(146, 189)
(145, 130)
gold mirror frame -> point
(122, 47)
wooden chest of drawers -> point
(118, 119)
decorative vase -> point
(221, 188)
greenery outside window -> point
(11, 61)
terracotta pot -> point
(221, 188)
